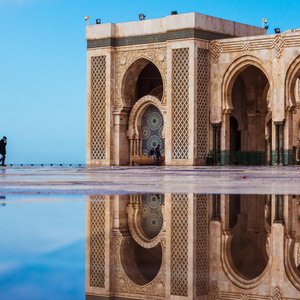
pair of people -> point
(155, 153)
(3, 143)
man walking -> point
(3, 143)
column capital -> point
(216, 125)
(279, 123)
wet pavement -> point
(123, 180)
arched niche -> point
(141, 78)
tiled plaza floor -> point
(119, 180)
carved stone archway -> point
(235, 68)
(135, 118)
(292, 75)
(245, 87)
(126, 60)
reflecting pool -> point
(150, 246)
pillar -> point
(216, 143)
(278, 157)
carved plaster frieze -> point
(278, 43)
(124, 60)
(215, 50)
(123, 284)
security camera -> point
(86, 18)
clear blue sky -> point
(43, 64)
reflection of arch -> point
(289, 261)
(232, 272)
(292, 75)
(131, 77)
(245, 258)
(141, 265)
(135, 227)
(232, 73)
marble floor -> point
(123, 180)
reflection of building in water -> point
(192, 246)
(194, 84)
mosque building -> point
(207, 90)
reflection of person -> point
(3, 143)
(157, 155)
(152, 153)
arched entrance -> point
(142, 93)
(247, 118)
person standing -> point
(157, 155)
(3, 143)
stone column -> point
(279, 143)
(216, 143)
(121, 148)
(288, 139)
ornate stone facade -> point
(203, 72)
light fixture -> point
(142, 17)
(264, 22)
(87, 19)
(277, 30)
(174, 12)
(98, 21)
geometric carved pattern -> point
(180, 103)
(179, 245)
(215, 50)
(201, 244)
(276, 295)
(98, 107)
(97, 241)
(213, 291)
(278, 43)
(202, 102)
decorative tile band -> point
(156, 38)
